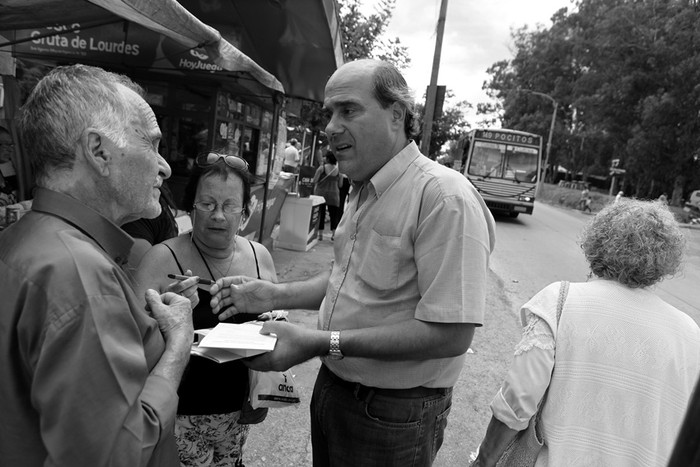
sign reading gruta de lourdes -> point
(133, 45)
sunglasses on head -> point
(205, 160)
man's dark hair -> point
(389, 87)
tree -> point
(363, 35)
(625, 75)
(449, 126)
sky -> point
(477, 34)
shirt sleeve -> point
(452, 253)
(529, 376)
(97, 401)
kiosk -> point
(299, 223)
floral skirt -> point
(210, 440)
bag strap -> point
(563, 292)
(328, 175)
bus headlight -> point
(527, 199)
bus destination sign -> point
(507, 137)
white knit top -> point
(626, 365)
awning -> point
(166, 17)
(298, 41)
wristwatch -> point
(334, 352)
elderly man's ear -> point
(95, 150)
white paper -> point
(223, 355)
(242, 338)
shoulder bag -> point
(524, 449)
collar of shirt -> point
(113, 240)
(390, 171)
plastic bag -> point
(272, 389)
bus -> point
(504, 166)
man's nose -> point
(163, 168)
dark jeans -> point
(334, 213)
(353, 425)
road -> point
(531, 252)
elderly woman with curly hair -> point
(615, 370)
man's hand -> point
(173, 314)
(187, 288)
(295, 345)
(240, 294)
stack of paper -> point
(228, 341)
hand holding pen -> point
(187, 286)
(200, 280)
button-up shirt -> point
(417, 248)
(77, 347)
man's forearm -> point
(307, 294)
(174, 359)
(408, 340)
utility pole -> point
(432, 88)
(555, 104)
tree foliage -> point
(363, 35)
(625, 75)
(447, 127)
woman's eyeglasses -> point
(205, 160)
(207, 206)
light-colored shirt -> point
(417, 248)
(626, 365)
(77, 346)
(291, 156)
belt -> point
(362, 392)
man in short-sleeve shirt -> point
(406, 290)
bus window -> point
(486, 159)
(521, 164)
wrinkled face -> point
(217, 228)
(362, 135)
(137, 169)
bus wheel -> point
(513, 214)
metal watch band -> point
(334, 351)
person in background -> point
(210, 427)
(624, 361)
(8, 176)
(89, 376)
(291, 157)
(405, 292)
(326, 181)
(148, 232)
(343, 191)
(584, 196)
(587, 204)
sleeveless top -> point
(327, 185)
(208, 387)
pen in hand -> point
(182, 278)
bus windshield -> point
(497, 160)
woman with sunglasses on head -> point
(213, 417)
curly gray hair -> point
(636, 243)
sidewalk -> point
(298, 265)
(284, 438)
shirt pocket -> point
(381, 261)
